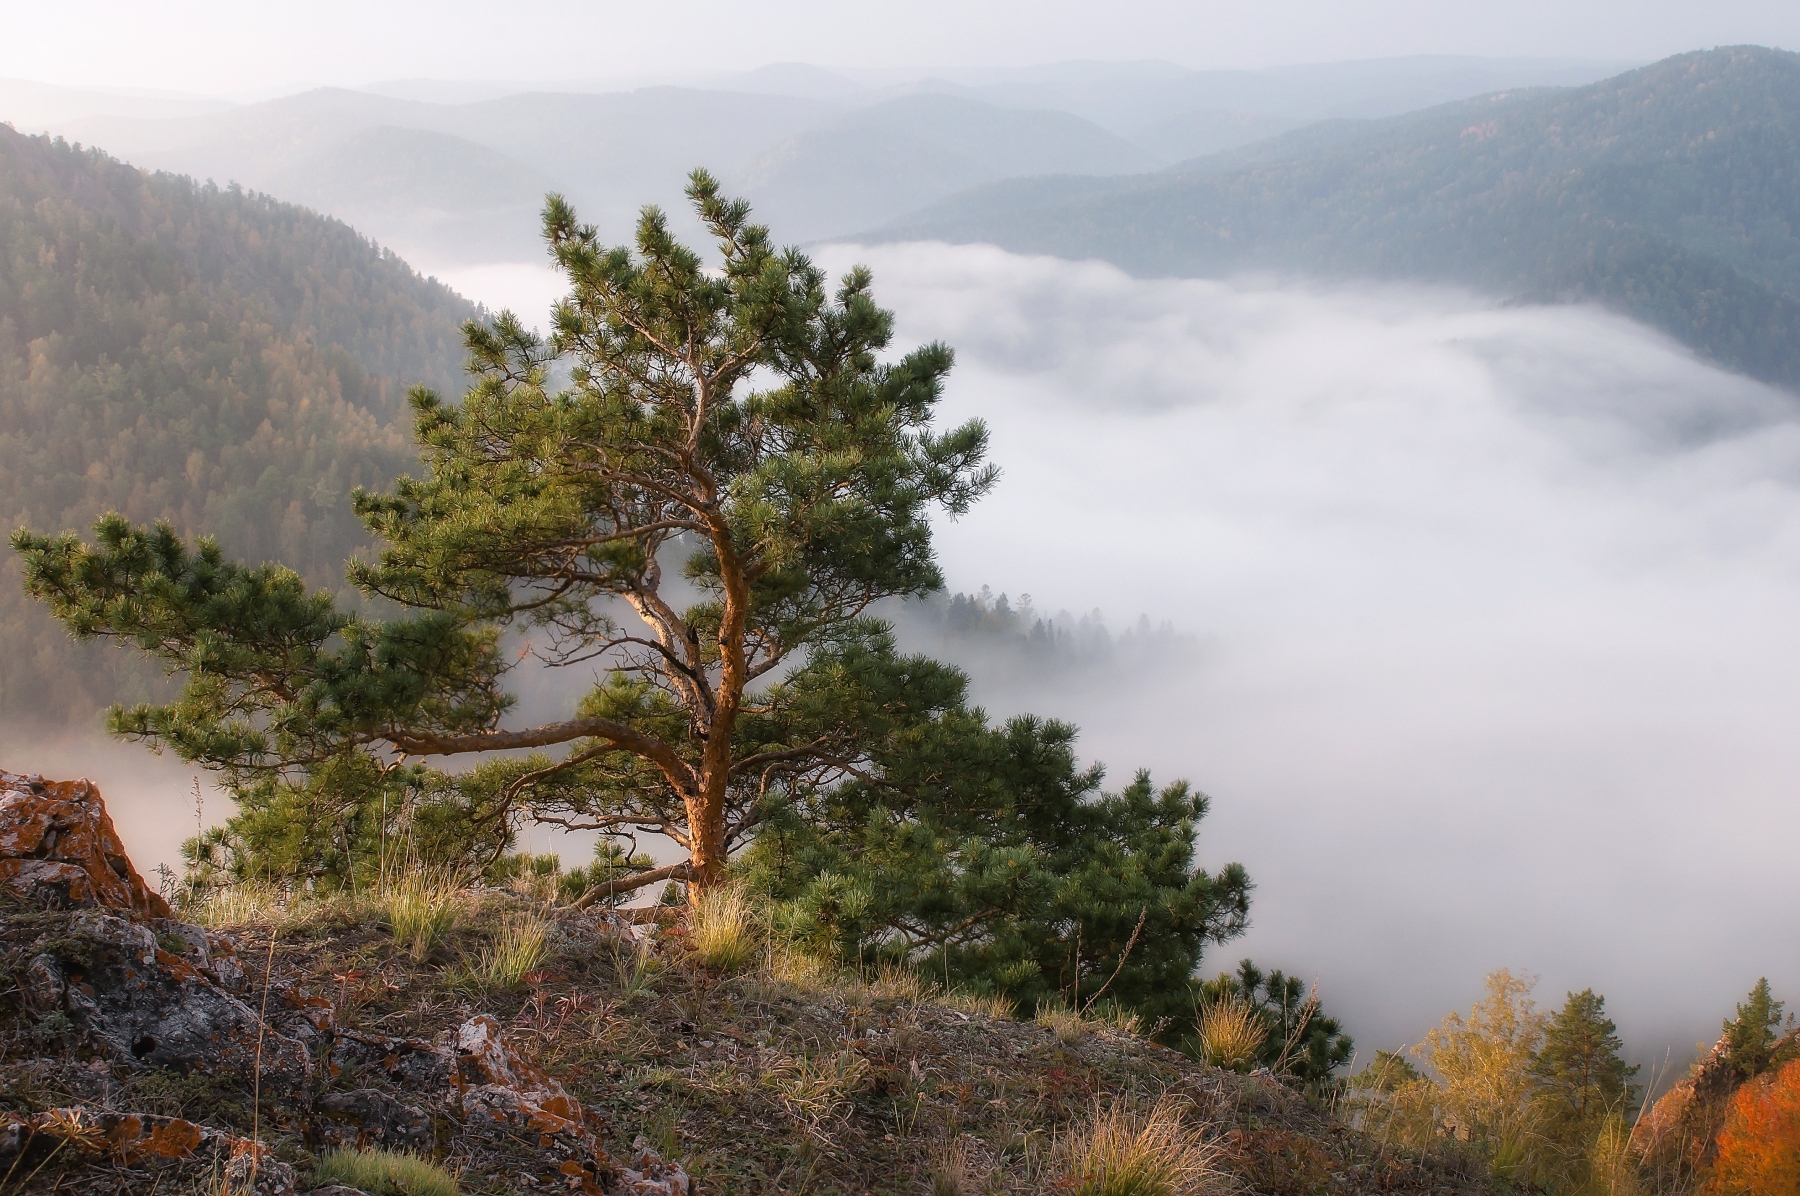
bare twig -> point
(262, 1027)
(1130, 943)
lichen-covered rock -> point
(495, 1082)
(496, 1087)
(650, 1175)
(127, 1138)
(419, 1066)
(136, 1001)
(58, 848)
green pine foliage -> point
(174, 351)
(1581, 1082)
(1301, 1041)
(987, 858)
(1755, 1042)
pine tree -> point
(1581, 1078)
(1753, 1039)
(989, 859)
(704, 515)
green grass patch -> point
(384, 1173)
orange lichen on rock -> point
(129, 1138)
(58, 846)
(493, 1080)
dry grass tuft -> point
(518, 948)
(1065, 1023)
(793, 966)
(420, 904)
(1118, 1152)
(1231, 1033)
(959, 1170)
(818, 1090)
(384, 1173)
(895, 982)
(722, 928)
(238, 905)
(1070, 1026)
(983, 1004)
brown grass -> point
(1120, 1152)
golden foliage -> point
(1483, 1062)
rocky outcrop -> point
(107, 969)
(133, 983)
(127, 1138)
(128, 994)
(1674, 1137)
(58, 848)
(1677, 1137)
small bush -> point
(722, 928)
(384, 1173)
(1117, 1152)
(611, 862)
(420, 906)
(518, 948)
(1231, 1033)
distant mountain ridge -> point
(452, 175)
(887, 158)
(1670, 193)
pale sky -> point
(216, 47)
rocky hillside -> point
(526, 1048)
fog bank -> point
(1496, 605)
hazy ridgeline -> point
(1663, 193)
(452, 175)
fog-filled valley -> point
(1403, 452)
(1491, 606)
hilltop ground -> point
(528, 1047)
(778, 1079)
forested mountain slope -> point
(1670, 193)
(173, 351)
